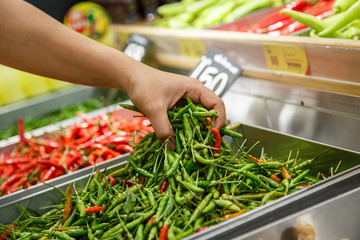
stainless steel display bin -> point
(276, 145)
(336, 218)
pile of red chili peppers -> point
(90, 141)
(281, 24)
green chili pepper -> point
(153, 232)
(210, 207)
(211, 113)
(140, 232)
(140, 170)
(271, 182)
(257, 180)
(60, 235)
(187, 128)
(80, 205)
(351, 14)
(202, 160)
(198, 222)
(226, 204)
(192, 187)
(200, 208)
(186, 233)
(162, 206)
(77, 232)
(178, 145)
(150, 197)
(174, 166)
(230, 133)
(300, 177)
(183, 198)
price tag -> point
(216, 72)
(286, 58)
(194, 48)
(137, 47)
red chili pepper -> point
(94, 209)
(303, 185)
(128, 183)
(10, 181)
(284, 172)
(50, 173)
(124, 148)
(69, 160)
(21, 130)
(51, 164)
(163, 186)
(152, 219)
(256, 159)
(19, 183)
(84, 116)
(111, 180)
(217, 136)
(5, 235)
(202, 229)
(275, 178)
(208, 119)
(164, 232)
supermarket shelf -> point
(37, 106)
(333, 63)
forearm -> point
(32, 41)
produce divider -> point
(332, 63)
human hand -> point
(154, 92)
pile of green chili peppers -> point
(343, 23)
(169, 194)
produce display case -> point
(311, 110)
(276, 144)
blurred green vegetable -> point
(208, 13)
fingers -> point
(162, 127)
(201, 94)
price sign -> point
(216, 72)
(137, 47)
(286, 58)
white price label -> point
(137, 47)
(135, 51)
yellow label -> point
(286, 58)
(192, 47)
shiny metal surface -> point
(321, 116)
(337, 218)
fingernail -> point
(171, 145)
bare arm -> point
(32, 41)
